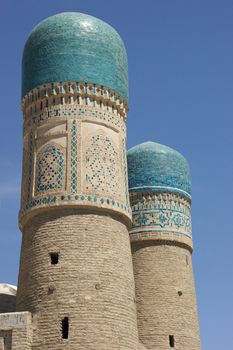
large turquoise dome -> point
(73, 46)
(152, 166)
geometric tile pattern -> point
(125, 167)
(101, 160)
(49, 173)
(30, 165)
(75, 112)
(156, 212)
(162, 218)
(100, 185)
(74, 157)
(77, 199)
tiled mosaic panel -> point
(101, 160)
(156, 212)
(49, 170)
(24, 183)
(125, 170)
(74, 157)
(30, 165)
(162, 219)
(84, 119)
(75, 47)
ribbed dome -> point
(152, 166)
(72, 46)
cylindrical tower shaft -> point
(91, 284)
(165, 294)
(161, 246)
(76, 274)
(75, 261)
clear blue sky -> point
(181, 86)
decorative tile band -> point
(161, 189)
(80, 93)
(30, 165)
(74, 157)
(74, 200)
(162, 218)
(79, 160)
(157, 214)
(125, 170)
(66, 112)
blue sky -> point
(181, 82)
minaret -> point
(76, 274)
(161, 241)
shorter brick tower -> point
(161, 241)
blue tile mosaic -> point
(72, 46)
(162, 218)
(30, 165)
(49, 170)
(100, 160)
(152, 166)
(74, 157)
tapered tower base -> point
(165, 293)
(90, 282)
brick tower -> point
(161, 241)
(76, 274)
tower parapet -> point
(161, 242)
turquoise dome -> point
(152, 166)
(73, 46)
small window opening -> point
(51, 290)
(187, 260)
(65, 328)
(54, 258)
(171, 341)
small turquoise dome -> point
(73, 46)
(152, 166)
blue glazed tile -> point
(72, 46)
(152, 166)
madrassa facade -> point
(106, 235)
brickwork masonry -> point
(92, 284)
(16, 331)
(165, 295)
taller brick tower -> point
(76, 275)
(161, 240)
